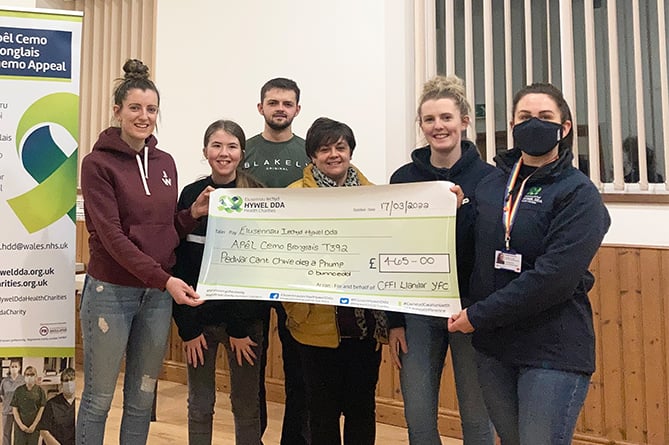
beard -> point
(278, 126)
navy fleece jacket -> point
(540, 317)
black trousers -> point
(342, 381)
(295, 429)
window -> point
(609, 59)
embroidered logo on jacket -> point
(532, 196)
(166, 179)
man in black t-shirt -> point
(276, 157)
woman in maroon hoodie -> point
(130, 196)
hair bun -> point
(135, 70)
(451, 83)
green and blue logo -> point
(231, 204)
(47, 144)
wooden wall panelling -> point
(448, 404)
(81, 248)
(385, 388)
(274, 351)
(78, 247)
(78, 343)
(664, 285)
(654, 345)
(447, 397)
(274, 371)
(628, 401)
(632, 330)
(611, 353)
(175, 346)
(113, 31)
(82, 255)
(591, 420)
(390, 408)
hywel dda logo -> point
(46, 142)
(231, 203)
(533, 196)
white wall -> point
(352, 59)
(18, 3)
(638, 225)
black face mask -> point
(537, 137)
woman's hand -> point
(182, 293)
(201, 205)
(194, 350)
(397, 342)
(459, 194)
(243, 349)
(460, 322)
(17, 419)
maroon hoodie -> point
(130, 203)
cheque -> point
(387, 247)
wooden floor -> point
(171, 426)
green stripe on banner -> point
(40, 206)
(41, 79)
(61, 108)
(74, 16)
(37, 352)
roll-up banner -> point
(39, 132)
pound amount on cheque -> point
(397, 262)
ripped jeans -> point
(117, 321)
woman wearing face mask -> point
(57, 423)
(28, 405)
(531, 316)
(7, 388)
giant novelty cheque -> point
(389, 247)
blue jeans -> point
(244, 388)
(427, 342)
(118, 320)
(532, 406)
